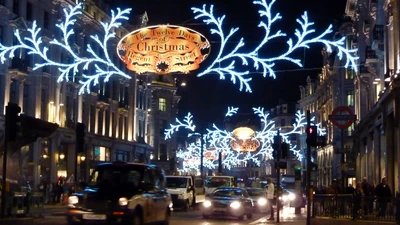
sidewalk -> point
(283, 220)
(54, 210)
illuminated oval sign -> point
(163, 49)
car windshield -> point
(176, 182)
(256, 192)
(109, 176)
(218, 182)
(228, 193)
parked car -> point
(259, 197)
(119, 192)
(228, 201)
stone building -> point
(115, 113)
(332, 88)
(376, 142)
(163, 113)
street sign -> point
(342, 117)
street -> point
(192, 217)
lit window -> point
(162, 104)
(350, 98)
(349, 74)
(101, 154)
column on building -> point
(54, 157)
(36, 149)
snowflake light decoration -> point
(218, 140)
(103, 66)
(94, 66)
(225, 62)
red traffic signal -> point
(312, 130)
(313, 139)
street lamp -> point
(151, 156)
(83, 158)
(62, 156)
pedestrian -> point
(270, 197)
(50, 194)
(368, 196)
(358, 200)
(383, 195)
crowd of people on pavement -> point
(367, 195)
(56, 193)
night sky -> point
(208, 97)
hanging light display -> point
(243, 140)
(90, 67)
(219, 140)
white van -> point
(184, 191)
(214, 182)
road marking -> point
(261, 220)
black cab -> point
(119, 192)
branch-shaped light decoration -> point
(226, 61)
(93, 66)
(218, 140)
(102, 65)
(187, 124)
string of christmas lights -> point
(226, 61)
(218, 140)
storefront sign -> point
(163, 49)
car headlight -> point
(292, 196)
(235, 205)
(180, 196)
(206, 203)
(123, 201)
(73, 200)
(262, 201)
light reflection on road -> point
(193, 217)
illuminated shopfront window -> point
(101, 154)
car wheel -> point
(250, 215)
(241, 218)
(167, 217)
(137, 218)
(70, 221)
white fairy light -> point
(226, 61)
(218, 140)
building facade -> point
(333, 87)
(115, 113)
(376, 26)
(163, 113)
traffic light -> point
(284, 150)
(313, 139)
(275, 146)
(11, 124)
(297, 173)
(312, 135)
(80, 137)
